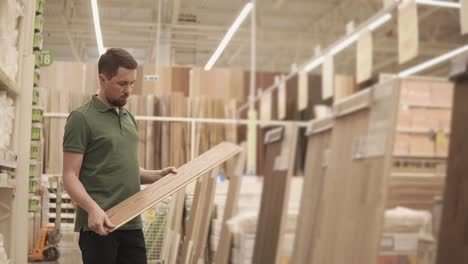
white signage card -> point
(303, 91)
(364, 57)
(328, 77)
(408, 31)
(464, 16)
(282, 100)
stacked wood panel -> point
(318, 148)
(280, 153)
(353, 198)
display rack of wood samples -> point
(280, 154)
(318, 151)
(350, 209)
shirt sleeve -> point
(77, 135)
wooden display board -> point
(318, 154)
(279, 165)
(141, 201)
(352, 203)
(235, 182)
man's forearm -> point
(149, 176)
(78, 194)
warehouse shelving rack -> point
(14, 196)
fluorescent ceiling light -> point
(379, 22)
(97, 27)
(348, 41)
(439, 3)
(432, 62)
(345, 43)
(314, 64)
(243, 14)
(354, 37)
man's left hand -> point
(167, 171)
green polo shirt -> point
(110, 170)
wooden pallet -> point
(140, 202)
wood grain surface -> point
(141, 201)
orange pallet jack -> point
(46, 248)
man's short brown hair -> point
(114, 58)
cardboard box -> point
(404, 117)
(402, 144)
(421, 118)
(398, 248)
(416, 92)
(442, 93)
(440, 118)
(422, 145)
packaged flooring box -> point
(400, 248)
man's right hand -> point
(99, 222)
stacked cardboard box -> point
(244, 224)
(424, 118)
(407, 237)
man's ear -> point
(102, 78)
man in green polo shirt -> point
(101, 167)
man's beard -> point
(119, 102)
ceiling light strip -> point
(243, 14)
(425, 65)
(372, 24)
(349, 40)
(97, 27)
(439, 3)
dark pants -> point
(119, 247)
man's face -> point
(118, 88)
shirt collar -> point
(99, 104)
(103, 107)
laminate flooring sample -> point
(141, 201)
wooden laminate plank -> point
(138, 203)
(453, 231)
(280, 157)
(307, 231)
(195, 214)
(180, 149)
(355, 189)
(200, 240)
(235, 182)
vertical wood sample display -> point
(199, 241)
(453, 230)
(177, 148)
(141, 201)
(280, 156)
(318, 148)
(235, 182)
(198, 217)
(355, 187)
